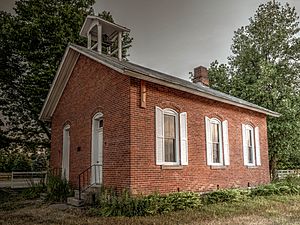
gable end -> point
(60, 81)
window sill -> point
(222, 167)
(171, 167)
(252, 167)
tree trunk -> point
(273, 165)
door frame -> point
(65, 162)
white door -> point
(97, 151)
(66, 152)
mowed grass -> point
(260, 210)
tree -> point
(32, 43)
(264, 69)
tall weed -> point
(34, 190)
(111, 204)
(58, 189)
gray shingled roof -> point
(125, 65)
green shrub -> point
(184, 200)
(265, 190)
(111, 204)
(158, 204)
(289, 186)
(58, 189)
(227, 195)
(290, 180)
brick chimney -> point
(200, 75)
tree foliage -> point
(264, 69)
(32, 43)
(20, 160)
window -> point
(170, 133)
(251, 145)
(171, 137)
(217, 146)
(100, 123)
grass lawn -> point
(260, 210)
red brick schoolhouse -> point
(122, 125)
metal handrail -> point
(85, 178)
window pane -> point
(250, 155)
(215, 132)
(215, 136)
(216, 153)
(170, 138)
(169, 125)
(249, 138)
(100, 123)
(170, 153)
(250, 146)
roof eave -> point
(58, 85)
(90, 18)
(60, 82)
(197, 92)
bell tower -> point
(102, 34)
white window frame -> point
(66, 152)
(251, 129)
(223, 142)
(171, 112)
(255, 140)
(216, 121)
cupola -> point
(103, 34)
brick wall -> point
(129, 133)
(94, 88)
(146, 177)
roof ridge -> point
(127, 65)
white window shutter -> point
(159, 116)
(208, 141)
(225, 142)
(245, 146)
(257, 147)
(183, 139)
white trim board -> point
(59, 83)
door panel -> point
(66, 153)
(97, 152)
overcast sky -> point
(174, 36)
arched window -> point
(217, 145)
(169, 149)
(170, 131)
(216, 140)
(251, 145)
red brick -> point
(129, 133)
